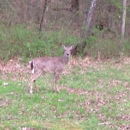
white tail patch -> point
(31, 65)
(33, 71)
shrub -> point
(17, 41)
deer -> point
(54, 65)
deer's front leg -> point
(56, 79)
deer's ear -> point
(63, 46)
(72, 47)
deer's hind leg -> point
(56, 79)
(33, 81)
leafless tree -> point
(123, 19)
(89, 17)
(74, 5)
(43, 13)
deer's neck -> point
(64, 60)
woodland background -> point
(95, 86)
(30, 28)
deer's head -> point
(67, 50)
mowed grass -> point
(96, 97)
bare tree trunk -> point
(89, 18)
(75, 9)
(43, 12)
(79, 48)
(123, 20)
(75, 5)
(37, 10)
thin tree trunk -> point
(43, 12)
(38, 11)
(89, 18)
(123, 20)
(75, 6)
(79, 48)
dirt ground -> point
(14, 69)
(15, 66)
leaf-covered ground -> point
(94, 95)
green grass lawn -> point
(92, 98)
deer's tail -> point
(32, 66)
